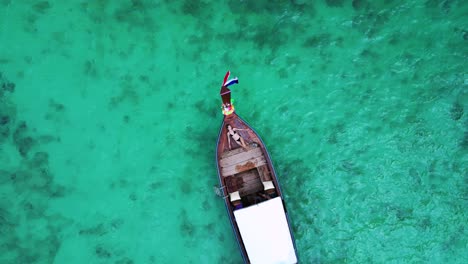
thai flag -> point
(227, 82)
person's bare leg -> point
(239, 144)
(243, 143)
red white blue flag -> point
(227, 82)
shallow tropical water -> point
(109, 114)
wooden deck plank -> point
(240, 157)
(230, 153)
(243, 166)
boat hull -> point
(226, 151)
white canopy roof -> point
(265, 232)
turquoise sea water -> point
(109, 114)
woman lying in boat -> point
(232, 132)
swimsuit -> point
(233, 136)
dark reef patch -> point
(425, 223)
(456, 112)
(144, 79)
(117, 223)
(7, 221)
(185, 186)
(283, 73)
(36, 181)
(128, 93)
(7, 118)
(90, 69)
(29, 24)
(350, 167)
(203, 107)
(4, 120)
(370, 54)
(359, 4)
(23, 142)
(194, 7)
(403, 214)
(133, 197)
(136, 15)
(394, 39)
(273, 7)
(4, 61)
(98, 230)
(156, 185)
(6, 87)
(33, 209)
(209, 227)
(187, 228)
(170, 105)
(221, 237)
(41, 7)
(415, 175)
(31, 184)
(445, 5)
(120, 183)
(124, 260)
(206, 205)
(333, 137)
(28, 59)
(7, 109)
(101, 252)
(370, 22)
(271, 36)
(335, 3)
(57, 107)
(32, 249)
(464, 141)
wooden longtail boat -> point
(251, 191)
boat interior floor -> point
(245, 171)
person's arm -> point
(229, 140)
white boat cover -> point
(265, 232)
